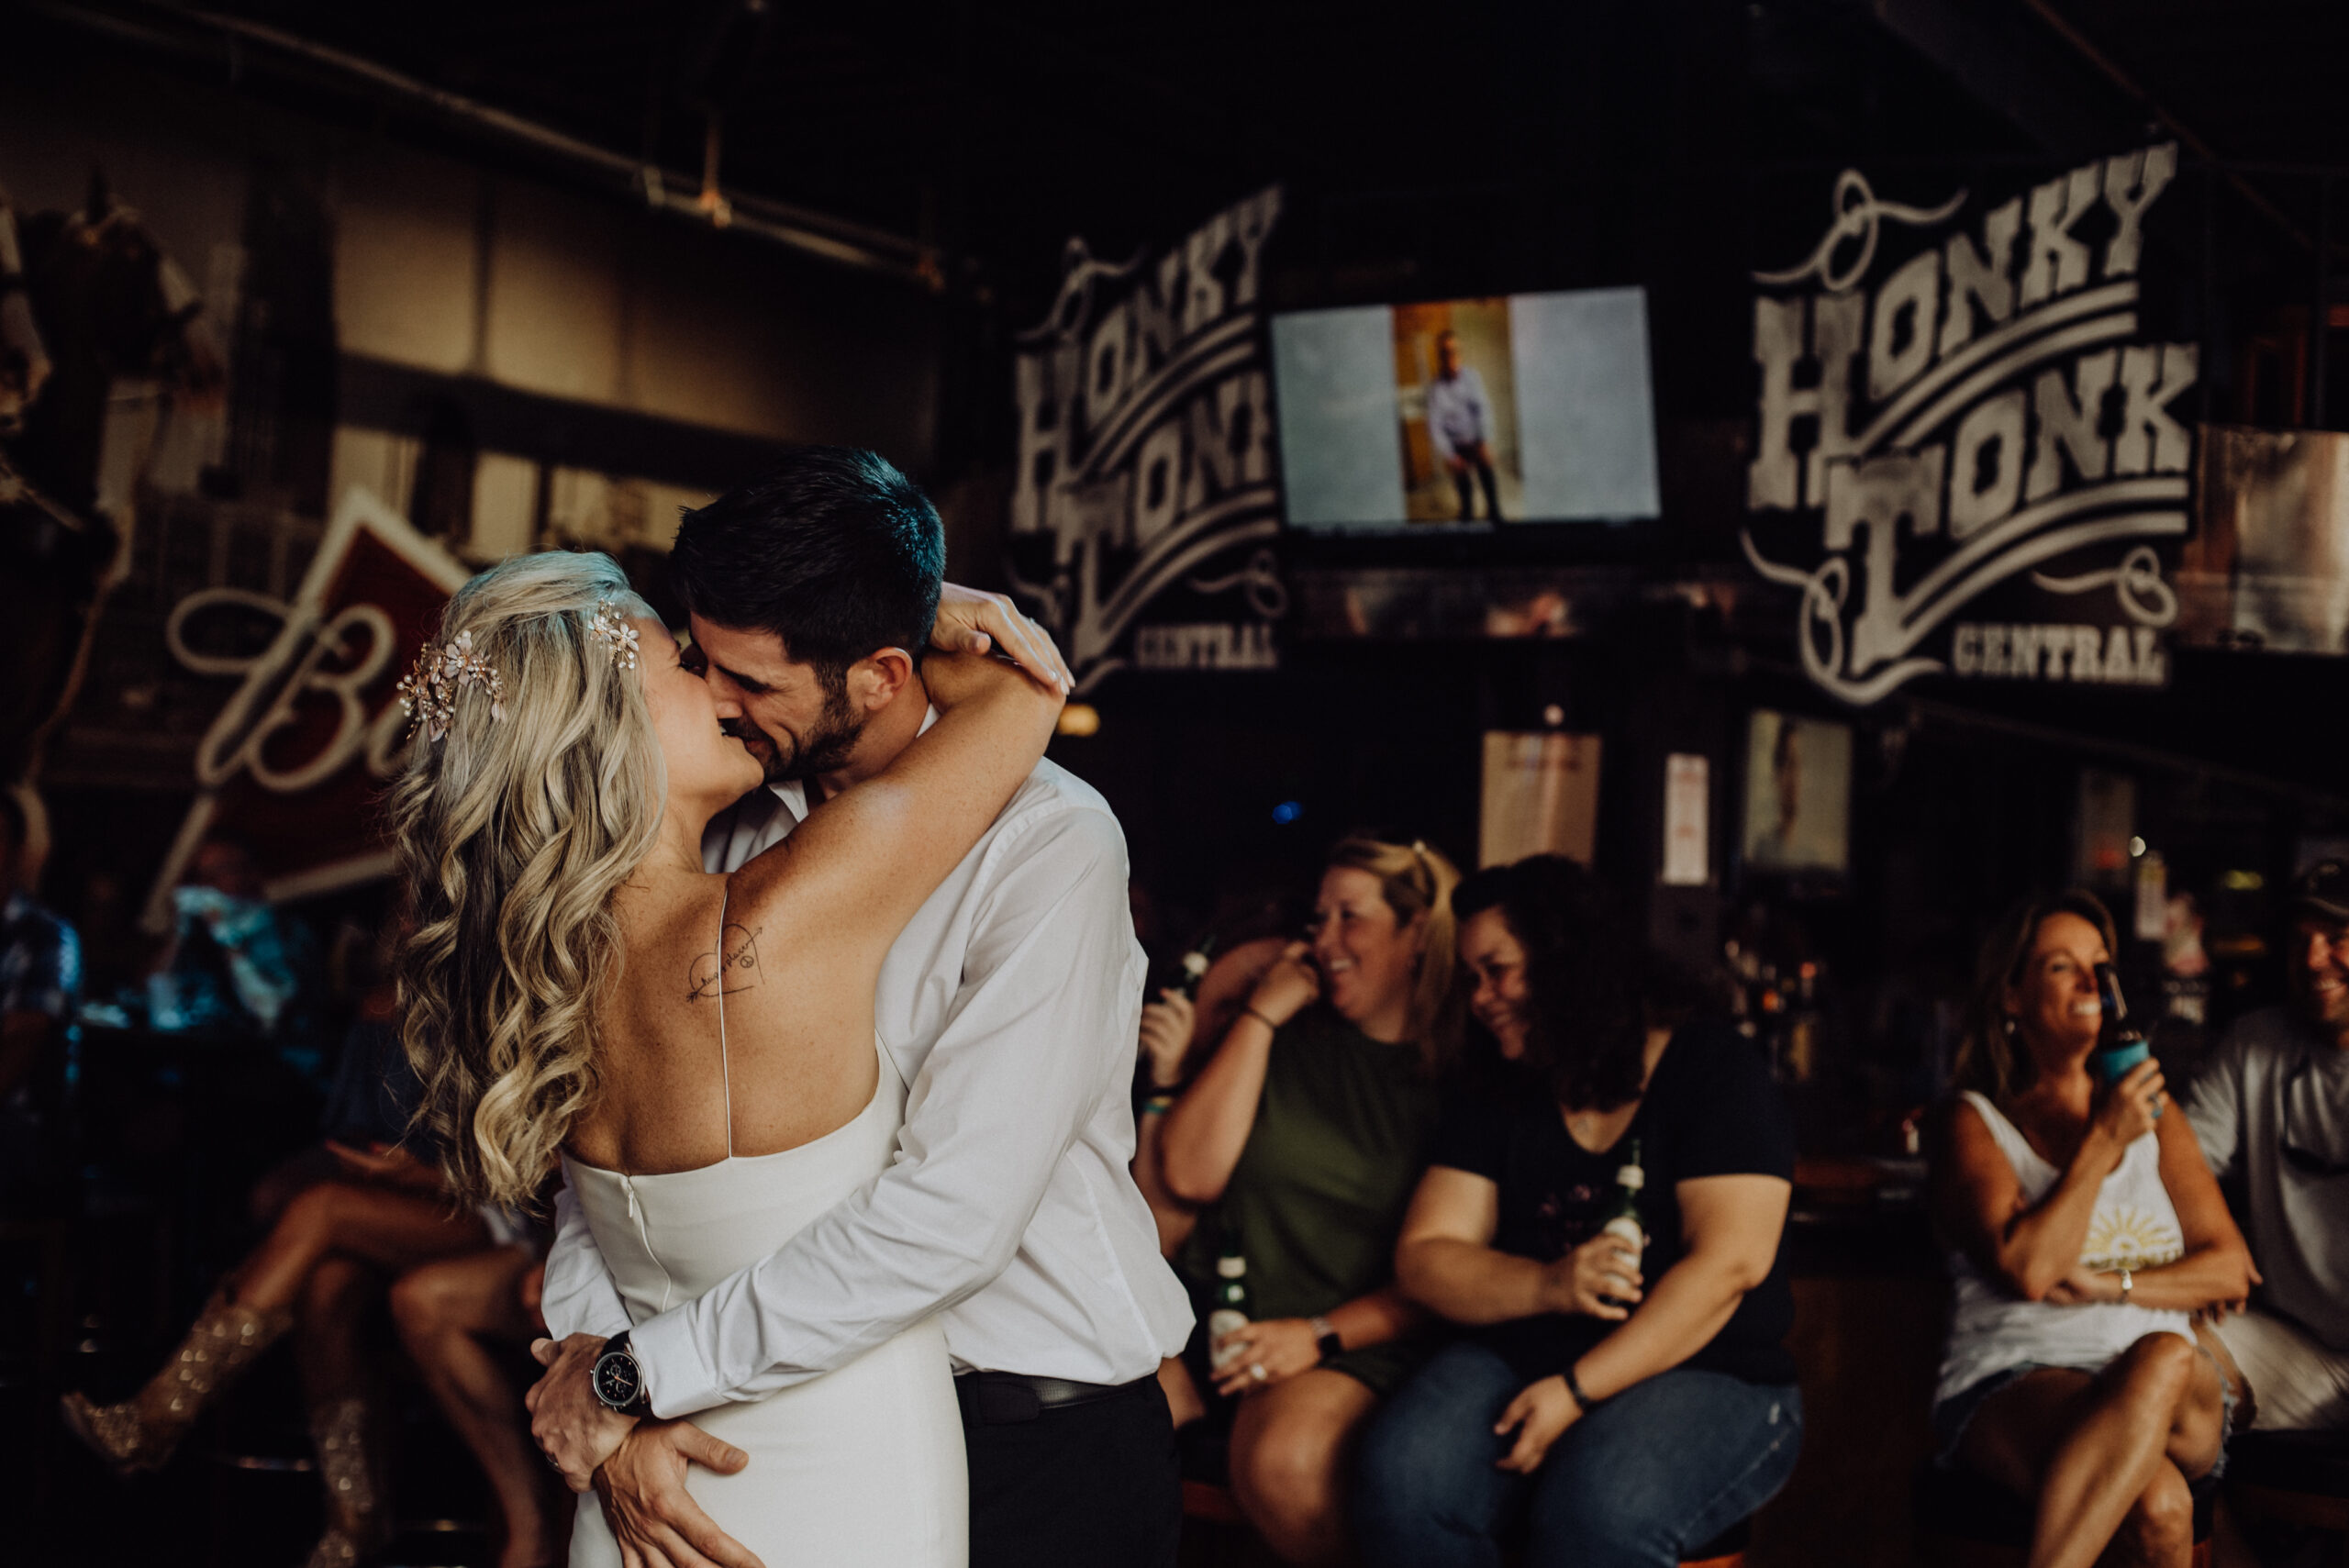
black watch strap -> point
(1326, 1341)
(618, 1378)
(1573, 1386)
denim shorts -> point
(1954, 1414)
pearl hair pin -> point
(610, 627)
(428, 691)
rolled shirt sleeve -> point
(1036, 1049)
(2214, 1102)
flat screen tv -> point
(1520, 408)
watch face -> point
(617, 1382)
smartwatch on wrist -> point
(1326, 1339)
(617, 1380)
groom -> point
(1010, 1004)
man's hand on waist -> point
(652, 1515)
(576, 1431)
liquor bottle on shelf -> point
(1231, 1309)
(1802, 1025)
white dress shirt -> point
(1010, 1004)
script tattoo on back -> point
(731, 966)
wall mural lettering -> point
(1981, 419)
(1145, 479)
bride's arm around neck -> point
(868, 858)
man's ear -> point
(874, 681)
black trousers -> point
(1467, 497)
(1080, 1486)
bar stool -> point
(2300, 1478)
(1965, 1521)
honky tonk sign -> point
(1968, 458)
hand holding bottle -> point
(2128, 1109)
(1598, 1279)
(1166, 1027)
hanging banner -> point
(1145, 504)
(1966, 459)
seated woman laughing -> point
(1610, 1405)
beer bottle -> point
(1231, 1311)
(1195, 966)
(1622, 1219)
(2120, 1044)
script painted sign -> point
(1145, 480)
(297, 756)
(1961, 452)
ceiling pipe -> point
(250, 45)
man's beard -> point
(825, 749)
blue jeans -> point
(1666, 1464)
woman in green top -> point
(1306, 1133)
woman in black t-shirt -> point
(1615, 1407)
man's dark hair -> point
(836, 553)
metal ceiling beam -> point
(2012, 76)
(2110, 70)
(241, 46)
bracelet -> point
(1158, 1104)
(1573, 1386)
(1261, 1018)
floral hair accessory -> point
(611, 628)
(429, 690)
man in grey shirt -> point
(2271, 1106)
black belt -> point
(1006, 1398)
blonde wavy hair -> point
(511, 835)
(1415, 879)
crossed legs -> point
(2107, 1457)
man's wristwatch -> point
(617, 1380)
(1325, 1339)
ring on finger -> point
(1256, 1371)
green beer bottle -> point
(1622, 1220)
(1231, 1302)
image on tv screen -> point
(1531, 407)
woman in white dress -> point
(2086, 1233)
(697, 1051)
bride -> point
(696, 1051)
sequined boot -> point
(141, 1432)
(338, 1429)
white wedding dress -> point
(861, 1466)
